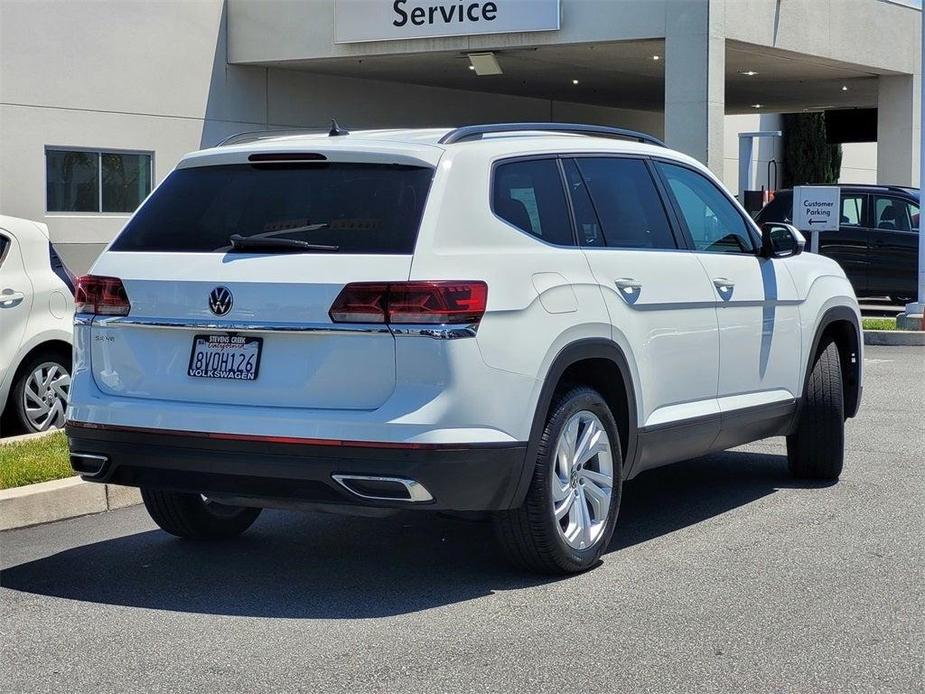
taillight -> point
(360, 303)
(104, 296)
(444, 301)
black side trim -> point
(669, 443)
(850, 362)
(676, 441)
(755, 423)
(591, 348)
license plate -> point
(228, 357)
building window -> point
(96, 181)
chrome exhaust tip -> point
(88, 464)
(377, 488)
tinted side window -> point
(627, 203)
(714, 223)
(894, 214)
(529, 195)
(4, 244)
(852, 210)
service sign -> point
(390, 20)
(817, 208)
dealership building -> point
(100, 98)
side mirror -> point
(779, 240)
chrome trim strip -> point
(436, 332)
(417, 492)
(240, 326)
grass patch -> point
(35, 460)
(879, 323)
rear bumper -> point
(459, 477)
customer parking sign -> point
(816, 208)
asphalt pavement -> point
(724, 576)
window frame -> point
(750, 226)
(99, 152)
(557, 159)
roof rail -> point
(254, 135)
(474, 132)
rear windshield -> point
(358, 208)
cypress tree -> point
(808, 158)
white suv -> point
(36, 317)
(509, 318)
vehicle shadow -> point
(318, 566)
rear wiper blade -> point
(257, 243)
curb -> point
(894, 337)
(61, 499)
(27, 437)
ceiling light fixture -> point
(484, 64)
(749, 73)
(844, 87)
(656, 57)
(574, 81)
(756, 105)
(472, 67)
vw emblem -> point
(220, 301)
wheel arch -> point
(840, 324)
(600, 364)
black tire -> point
(195, 518)
(816, 450)
(529, 535)
(19, 420)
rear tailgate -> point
(363, 218)
(304, 362)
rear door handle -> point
(628, 284)
(629, 289)
(724, 286)
(8, 297)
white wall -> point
(859, 163)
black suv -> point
(877, 243)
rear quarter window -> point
(529, 195)
(359, 208)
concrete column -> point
(695, 80)
(899, 130)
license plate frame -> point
(236, 344)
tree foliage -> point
(808, 158)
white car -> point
(36, 315)
(508, 318)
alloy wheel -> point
(582, 483)
(45, 395)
